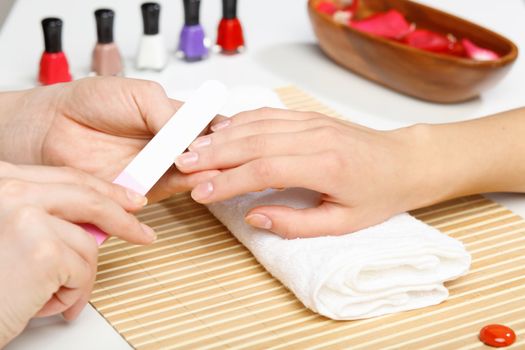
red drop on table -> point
(497, 335)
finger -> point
(266, 126)
(76, 268)
(262, 113)
(72, 275)
(153, 103)
(217, 120)
(127, 198)
(275, 172)
(326, 219)
(87, 248)
(76, 239)
(83, 205)
(72, 312)
(175, 182)
(236, 152)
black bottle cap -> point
(104, 18)
(52, 34)
(229, 9)
(150, 17)
(191, 12)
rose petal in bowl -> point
(327, 7)
(391, 24)
(478, 53)
(427, 40)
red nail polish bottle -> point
(230, 37)
(53, 64)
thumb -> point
(324, 220)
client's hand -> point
(47, 263)
(365, 175)
(97, 125)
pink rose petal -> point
(391, 24)
(327, 7)
(478, 53)
(427, 40)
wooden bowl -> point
(422, 74)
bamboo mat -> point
(198, 288)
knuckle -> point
(316, 116)
(128, 224)
(13, 187)
(46, 254)
(256, 144)
(334, 162)
(265, 110)
(241, 116)
(290, 229)
(153, 87)
(94, 201)
(264, 171)
(25, 217)
(76, 176)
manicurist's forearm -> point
(477, 156)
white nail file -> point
(173, 139)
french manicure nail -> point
(136, 198)
(202, 191)
(221, 125)
(188, 158)
(202, 141)
(149, 232)
(259, 221)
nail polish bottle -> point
(230, 38)
(106, 56)
(152, 52)
(54, 67)
(193, 43)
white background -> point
(281, 51)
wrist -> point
(432, 166)
(25, 117)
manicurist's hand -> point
(360, 172)
(47, 263)
(97, 125)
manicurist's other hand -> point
(48, 263)
(96, 124)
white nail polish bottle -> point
(152, 51)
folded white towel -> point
(398, 265)
(395, 266)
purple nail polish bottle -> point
(192, 44)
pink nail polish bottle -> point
(106, 55)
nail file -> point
(173, 139)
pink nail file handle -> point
(124, 180)
(173, 139)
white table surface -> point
(281, 51)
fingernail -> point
(136, 198)
(202, 141)
(259, 221)
(148, 231)
(221, 125)
(188, 158)
(202, 191)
